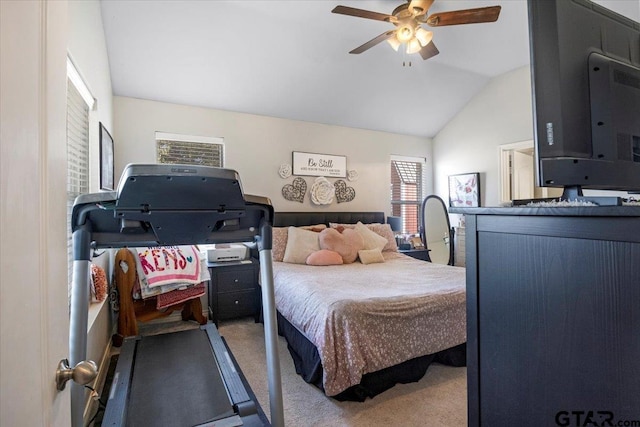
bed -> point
(356, 330)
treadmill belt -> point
(176, 382)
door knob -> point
(83, 373)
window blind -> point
(190, 152)
(77, 159)
(406, 192)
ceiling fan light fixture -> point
(404, 33)
(394, 43)
(407, 19)
(424, 36)
(413, 46)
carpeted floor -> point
(439, 399)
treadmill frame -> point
(141, 213)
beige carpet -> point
(438, 399)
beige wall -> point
(256, 146)
(88, 50)
(500, 114)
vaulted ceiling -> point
(290, 59)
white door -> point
(34, 316)
(523, 175)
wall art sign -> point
(313, 164)
(322, 191)
(295, 192)
(344, 193)
(284, 171)
(464, 190)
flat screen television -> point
(585, 75)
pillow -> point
(279, 235)
(300, 244)
(346, 244)
(341, 226)
(372, 240)
(317, 227)
(383, 230)
(99, 284)
(370, 256)
(324, 257)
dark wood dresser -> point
(553, 315)
(233, 290)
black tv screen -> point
(585, 73)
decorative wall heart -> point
(295, 192)
(344, 193)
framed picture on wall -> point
(464, 190)
(106, 159)
(314, 164)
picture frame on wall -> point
(315, 164)
(464, 190)
(106, 159)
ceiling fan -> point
(407, 18)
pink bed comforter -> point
(363, 318)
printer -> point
(224, 252)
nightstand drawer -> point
(236, 280)
(421, 254)
(233, 289)
(236, 304)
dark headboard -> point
(296, 219)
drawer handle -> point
(235, 280)
(237, 302)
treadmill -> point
(186, 378)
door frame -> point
(504, 153)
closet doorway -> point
(518, 172)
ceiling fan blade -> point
(422, 6)
(467, 16)
(360, 13)
(429, 50)
(371, 43)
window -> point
(407, 183)
(189, 150)
(79, 104)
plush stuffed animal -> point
(347, 243)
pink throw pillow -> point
(324, 257)
(382, 229)
(347, 243)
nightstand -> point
(422, 254)
(233, 290)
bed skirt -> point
(308, 365)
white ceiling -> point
(289, 59)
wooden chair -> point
(133, 311)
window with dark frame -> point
(406, 193)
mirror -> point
(435, 230)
